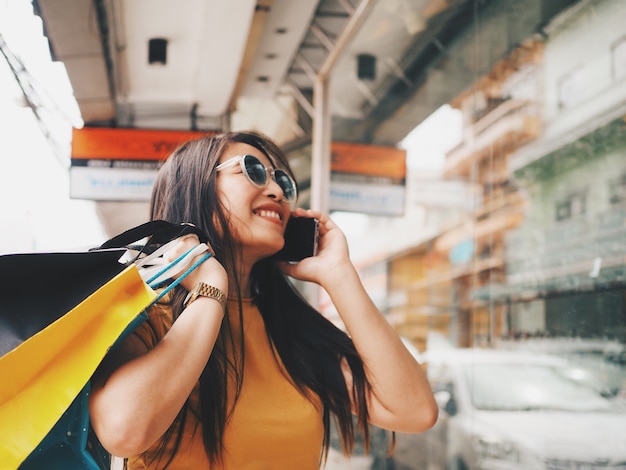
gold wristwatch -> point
(205, 290)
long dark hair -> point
(310, 346)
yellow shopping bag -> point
(41, 377)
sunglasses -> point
(258, 174)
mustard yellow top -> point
(273, 425)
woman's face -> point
(258, 216)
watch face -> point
(190, 298)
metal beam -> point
(320, 162)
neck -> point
(240, 277)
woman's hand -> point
(210, 271)
(332, 252)
(400, 397)
(131, 381)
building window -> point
(618, 58)
(617, 189)
(571, 206)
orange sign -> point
(367, 178)
(370, 160)
(110, 164)
(127, 144)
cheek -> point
(236, 196)
(231, 201)
(232, 207)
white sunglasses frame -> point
(270, 173)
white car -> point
(504, 410)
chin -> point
(271, 249)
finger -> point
(184, 244)
(191, 237)
(299, 212)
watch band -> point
(205, 290)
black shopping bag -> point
(49, 302)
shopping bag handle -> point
(180, 278)
(157, 275)
(158, 231)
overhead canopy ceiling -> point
(251, 64)
(244, 64)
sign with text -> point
(367, 178)
(120, 164)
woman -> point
(254, 385)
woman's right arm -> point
(135, 404)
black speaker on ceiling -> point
(366, 67)
(157, 51)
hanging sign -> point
(111, 164)
(367, 178)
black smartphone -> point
(301, 237)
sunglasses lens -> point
(256, 170)
(286, 184)
(258, 175)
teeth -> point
(271, 214)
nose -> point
(273, 188)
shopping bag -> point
(44, 375)
(31, 285)
(53, 353)
(71, 444)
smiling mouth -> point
(268, 214)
